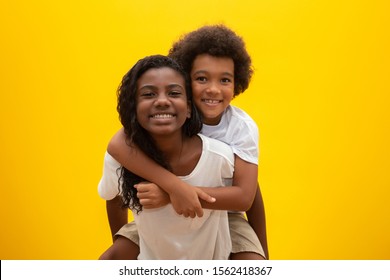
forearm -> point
(256, 218)
(184, 198)
(117, 216)
(240, 195)
(137, 162)
(227, 198)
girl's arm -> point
(256, 218)
(184, 198)
(117, 216)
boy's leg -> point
(245, 243)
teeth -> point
(162, 116)
(211, 101)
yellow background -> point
(320, 96)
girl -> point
(157, 116)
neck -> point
(171, 147)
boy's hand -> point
(185, 200)
(151, 196)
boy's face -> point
(162, 106)
(212, 80)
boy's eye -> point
(201, 79)
(226, 80)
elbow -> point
(244, 204)
(117, 142)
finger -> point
(199, 212)
(143, 190)
(147, 206)
(142, 195)
(146, 202)
(140, 187)
(204, 196)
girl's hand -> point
(186, 200)
(151, 196)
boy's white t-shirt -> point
(239, 131)
(166, 235)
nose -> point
(162, 100)
(213, 89)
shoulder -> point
(217, 148)
(108, 184)
(240, 122)
(242, 134)
(109, 161)
(239, 116)
(237, 112)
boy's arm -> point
(151, 196)
(184, 198)
(256, 218)
(240, 196)
(117, 216)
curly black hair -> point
(218, 41)
(135, 133)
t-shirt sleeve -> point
(245, 142)
(108, 187)
(227, 165)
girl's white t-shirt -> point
(166, 235)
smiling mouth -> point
(211, 101)
(162, 116)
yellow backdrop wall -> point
(320, 96)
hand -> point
(151, 196)
(185, 200)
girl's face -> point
(212, 81)
(162, 106)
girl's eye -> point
(147, 94)
(175, 93)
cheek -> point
(197, 102)
(140, 113)
(196, 90)
(229, 94)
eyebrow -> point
(205, 72)
(170, 86)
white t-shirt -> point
(166, 235)
(238, 130)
